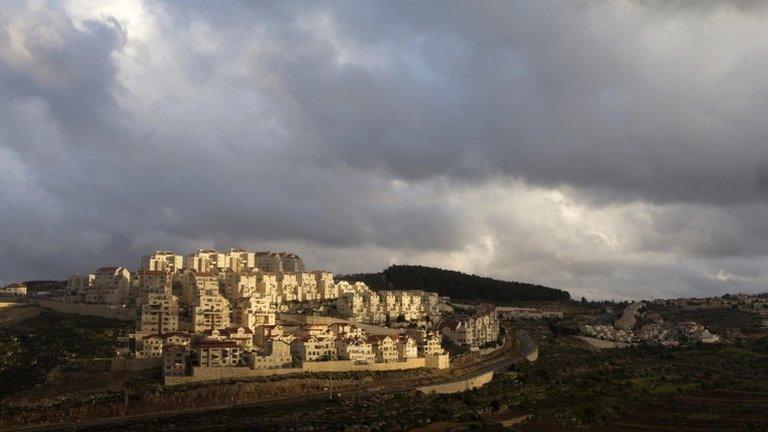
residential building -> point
(175, 360)
(256, 310)
(291, 262)
(473, 331)
(155, 282)
(194, 283)
(159, 313)
(204, 260)
(112, 285)
(428, 342)
(239, 260)
(276, 354)
(263, 333)
(406, 348)
(14, 289)
(306, 286)
(81, 288)
(384, 348)
(287, 287)
(361, 305)
(210, 312)
(242, 335)
(313, 348)
(276, 262)
(325, 285)
(165, 261)
(153, 345)
(354, 349)
(215, 353)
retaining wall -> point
(216, 373)
(348, 365)
(458, 386)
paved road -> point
(526, 343)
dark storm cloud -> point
(371, 130)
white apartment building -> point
(474, 331)
(81, 288)
(326, 288)
(287, 287)
(263, 333)
(363, 306)
(239, 260)
(276, 262)
(175, 361)
(313, 348)
(153, 345)
(204, 260)
(357, 350)
(112, 285)
(428, 342)
(266, 283)
(194, 283)
(14, 289)
(276, 354)
(358, 302)
(409, 306)
(224, 353)
(155, 282)
(385, 348)
(242, 335)
(256, 310)
(291, 262)
(210, 312)
(159, 313)
(306, 286)
(166, 261)
(406, 348)
(345, 330)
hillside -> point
(456, 285)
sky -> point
(615, 149)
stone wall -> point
(348, 365)
(458, 386)
(104, 311)
(217, 373)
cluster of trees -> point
(456, 285)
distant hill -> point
(455, 284)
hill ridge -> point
(456, 284)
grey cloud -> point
(358, 128)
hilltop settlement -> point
(211, 315)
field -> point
(35, 342)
